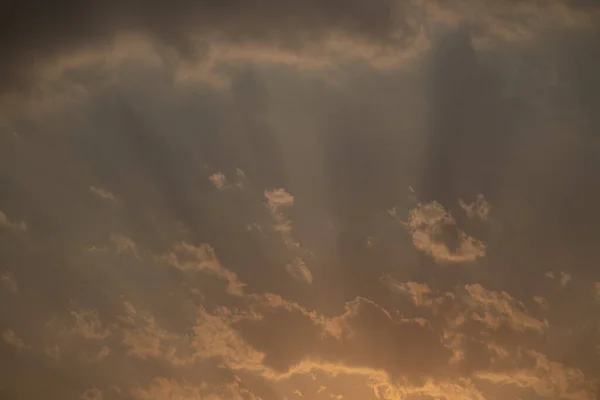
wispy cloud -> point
(480, 208)
(104, 194)
(277, 201)
(92, 394)
(298, 269)
(548, 379)
(564, 277)
(87, 324)
(6, 223)
(500, 308)
(14, 340)
(124, 245)
(9, 281)
(202, 258)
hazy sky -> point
(276, 199)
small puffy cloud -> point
(277, 201)
(219, 180)
(480, 208)
(14, 340)
(92, 394)
(87, 324)
(187, 257)
(6, 223)
(494, 309)
(564, 277)
(298, 269)
(9, 282)
(103, 194)
(541, 301)
(124, 245)
(434, 232)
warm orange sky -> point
(351, 200)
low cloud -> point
(434, 232)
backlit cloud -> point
(435, 233)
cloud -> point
(103, 194)
(546, 378)
(187, 257)
(53, 352)
(9, 281)
(277, 201)
(500, 308)
(565, 277)
(419, 293)
(480, 208)
(124, 245)
(220, 180)
(170, 389)
(541, 301)
(87, 324)
(6, 223)
(298, 269)
(145, 339)
(92, 394)
(14, 340)
(214, 337)
(100, 355)
(201, 33)
(434, 232)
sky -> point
(282, 199)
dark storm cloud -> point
(32, 31)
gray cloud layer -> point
(164, 220)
